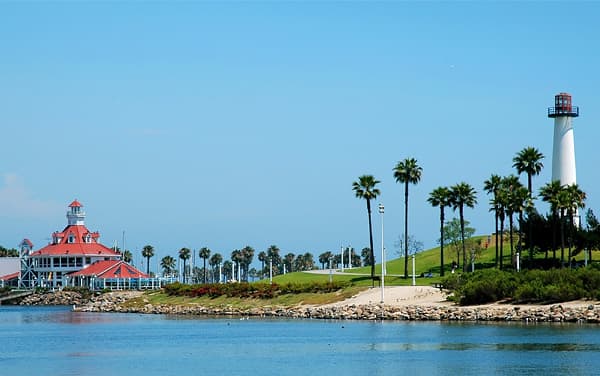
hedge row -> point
(531, 286)
(250, 290)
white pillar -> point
(414, 282)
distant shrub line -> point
(251, 290)
(530, 286)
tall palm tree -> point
(461, 195)
(215, 260)
(184, 254)
(364, 188)
(563, 203)
(274, 258)
(148, 252)
(549, 193)
(510, 184)
(407, 171)
(522, 203)
(576, 200)
(500, 202)
(440, 197)
(262, 257)
(236, 258)
(529, 160)
(247, 255)
(492, 185)
(204, 253)
(288, 260)
(167, 264)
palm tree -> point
(247, 254)
(215, 260)
(563, 203)
(148, 252)
(510, 184)
(576, 201)
(184, 254)
(262, 257)
(440, 197)
(288, 260)
(549, 193)
(325, 258)
(500, 202)
(167, 264)
(204, 253)
(492, 185)
(364, 188)
(127, 256)
(407, 171)
(522, 203)
(236, 258)
(462, 195)
(274, 258)
(529, 160)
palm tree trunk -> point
(148, 265)
(510, 237)
(462, 238)
(501, 243)
(406, 229)
(441, 240)
(371, 244)
(204, 271)
(554, 234)
(496, 236)
(562, 239)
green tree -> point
(440, 197)
(204, 253)
(510, 185)
(184, 254)
(461, 195)
(453, 235)
(288, 261)
(529, 161)
(366, 256)
(262, 257)
(549, 193)
(167, 264)
(147, 253)
(127, 256)
(492, 186)
(405, 172)
(215, 261)
(247, 254)
(325, 259)
(274, 259)
(365, 189)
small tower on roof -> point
(76, 215)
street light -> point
(381, 210)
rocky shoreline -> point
(115, 302)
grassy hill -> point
(425, 262)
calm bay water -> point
(55, 341)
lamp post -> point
(342, 249)
(414, 282)
(381, 210)
(271, 270)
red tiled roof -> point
(75, 204)
(78, 247)
(8, 277)
(110, 269)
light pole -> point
(342, 249)
(271, 270)
(414, 282)
(381, 210)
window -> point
(79, 261)
(56, 262)
(71, 238)
(88, 260)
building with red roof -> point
(76, 257)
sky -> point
(221, 125)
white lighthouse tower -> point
(563, 153)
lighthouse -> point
(563, 152)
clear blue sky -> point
(225, 125)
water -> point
(55, 341)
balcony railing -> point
(573, 111)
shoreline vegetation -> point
(420, 303)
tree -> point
(325, 259)
(262, 257)
(167, 264)
(148, 252)
(364, 188)
(529, 160)
(288, 261)
(274, 258)
(549, 193)
(236, 258)
(228, 270)
(576, 200)
(492, 185)
(184, 254)
(215, 261)
(453, 235)
(204, 253)
(407, 171)
(127, 256)
(247, 255)
(366, 256)
(462, 195)
(510, 185)
(441, 197)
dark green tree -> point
(440, 197)
(204, 254)
(365, 189)
(147, 253)
(461, 195)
